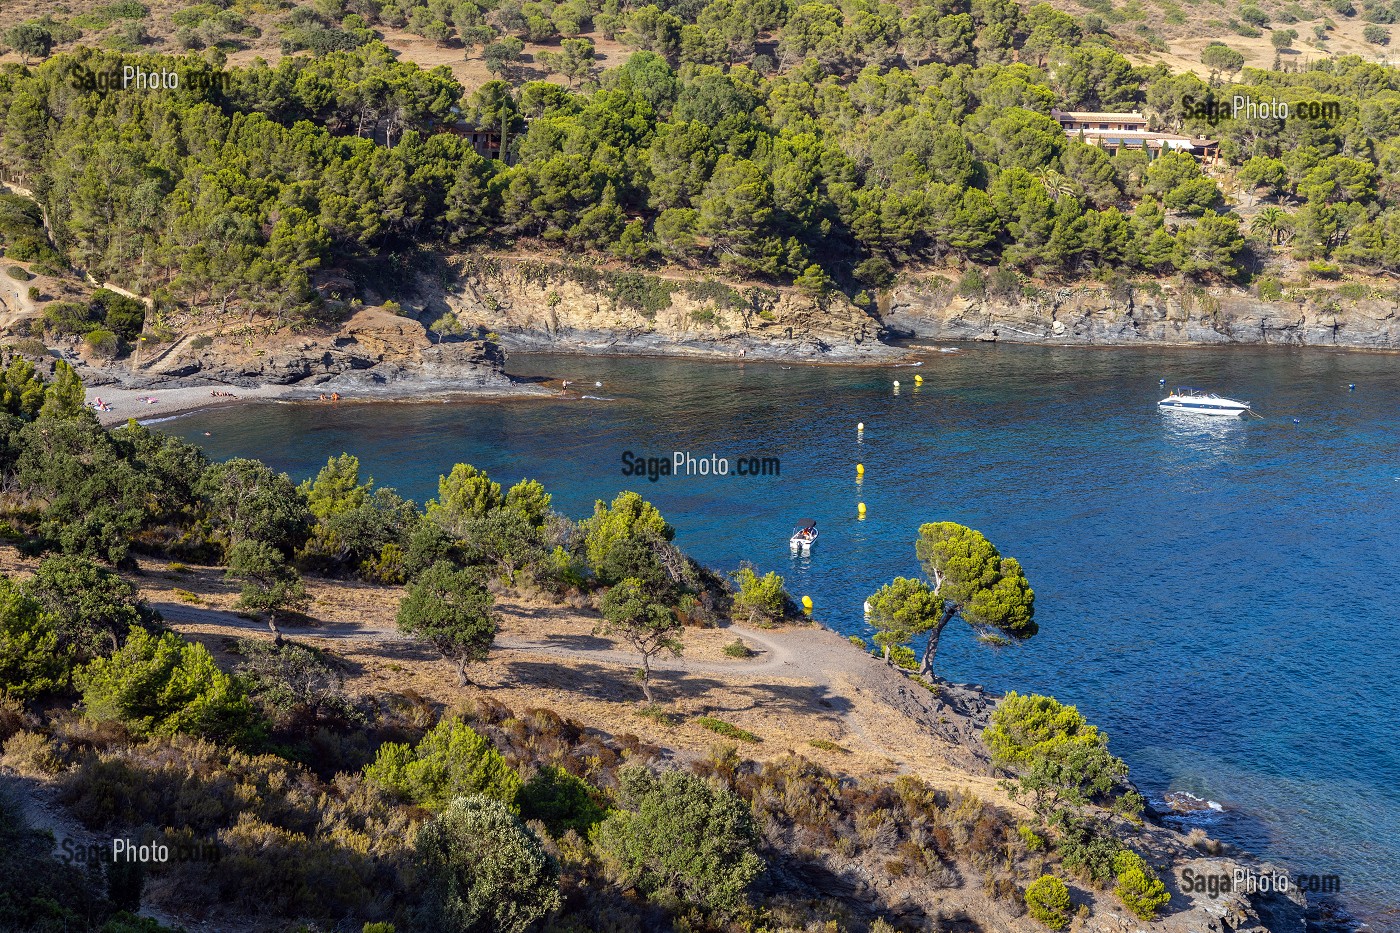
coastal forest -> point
(833, 145)
(295, 803)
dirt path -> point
(879, 707)
(775, 658)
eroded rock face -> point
(1168, 315)
(372, 349)
(565, 307)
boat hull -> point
(1202, 408)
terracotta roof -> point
(1131, 116)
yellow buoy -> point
(918, 380)
(807, 603)
(861, 426)
(896, 383)
(860, 469)
(860, 507)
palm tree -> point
(1056, 184)
(1273, 222)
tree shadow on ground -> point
(610, 682)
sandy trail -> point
(887, 714)
(775, 658)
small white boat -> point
(804, 537)
(1196, 401)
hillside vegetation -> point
(299, 805)
(830, 145)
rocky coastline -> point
(1162, 315)
(485, 305)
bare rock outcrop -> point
(573, 307)
(372, 350)
(1161, 314)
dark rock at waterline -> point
(1181, 801)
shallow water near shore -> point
(1217, 594)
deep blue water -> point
(1218, 595)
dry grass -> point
(820, 696)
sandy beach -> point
(131, 403)
(135, 403)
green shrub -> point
(657, 714)
(681, 840)
(163, 685)
(761, 600)
(294, 685)
(1088, 850)
(483, 870)
(1047, 899)
(451, 760)
(727, 729)
(1138, 887)
(31, 663)
(905, 657)
(620, 539)
(972, 284)
(1269, 288)
(560, 801)
(31, 753)
(1062, 761)
(1033, 840)
(18, 273)
(123, 316)
(102, 343)
(737, 649)
(827, 745)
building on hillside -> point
(486, 142)
(1114, 131)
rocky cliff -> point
(372, 350)
(930, 307)
(577, 307)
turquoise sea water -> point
(1218, 595)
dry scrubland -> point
(801, 685)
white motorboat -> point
(804, 537)
(1196, 401)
